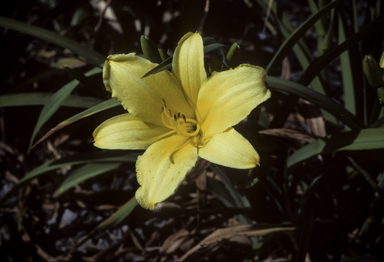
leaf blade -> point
(89, 55)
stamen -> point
(176, 124)
(183, 124)
(164, 122)
(157, 137)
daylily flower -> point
(179, 116)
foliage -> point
(318, 194)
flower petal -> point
(228, 97)
(126, 132)
(188, 65)
(230, 149)
(142, 97)
(158, 176)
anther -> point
(165, 105)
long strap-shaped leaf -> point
(55, 102)
(325, 59)
(322, 101)
(365, 139)
(39, 99)
(89, 55)
(70, 161)
(296, 35)
(90, 111)
(112, 221)
(83, 173)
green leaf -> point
(165, 65)
(91, 111)
(109, 156)
(55, 102)
(319, 26)
(347, 75)
(88, 54)
(364, 139)
(112, 221)
(76, 160)
(286, 47)
(325, 59)
(82, 173)
(231, 195)
(94, 86)
(219, 190)
(213, 47)
(316, 98)
(38, 99)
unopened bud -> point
(150, 50)
(372, 72)
(233, 55)
(380, 93)
(163, 54)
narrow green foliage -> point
(347, 71)
(322, 101)
(85, 172)
(364, 139)
(114, 220)
(38, 99)
(90, 111)
(324, 60)
(299, 32)
(87, 54)
(55, 102)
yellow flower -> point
(179, 116)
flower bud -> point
(163, 54)
(372, 72)
(382, 61)
(380, 93)
(233, 55)
(150, 50)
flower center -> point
(187, 127)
